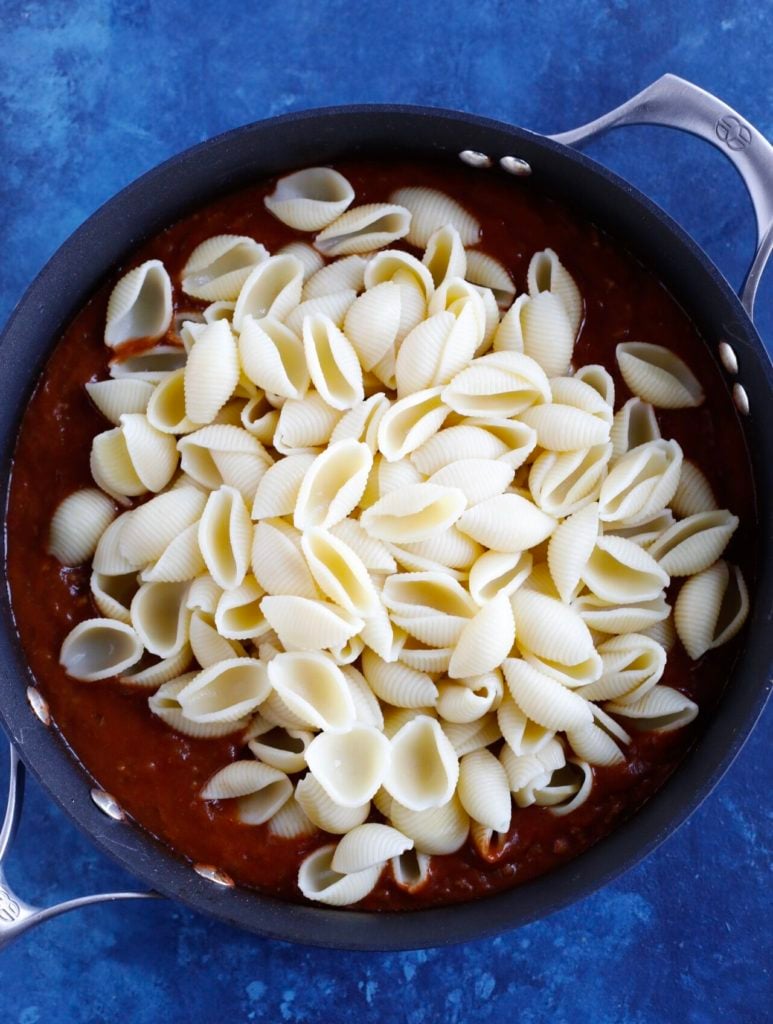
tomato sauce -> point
(156, 773)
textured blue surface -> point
(93, 94)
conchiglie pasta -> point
(657, 375)
(219, 266)
(363, 229)
(133, 458)
(77, 524)
(140, 305)
(100, 648)
(711, 608)
(309, 199)
(431, 209)
(547, 273)
(318, 881)
(484, 791)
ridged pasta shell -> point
(634, 424)
(150, 366)
(508, 337)
(291, 821)
(133, 458)
(435, 351)
(470, 699)
(220, 310)
(98, 649)
(415, 654)
(468, 736)
(632, 665)
(366, 706)
(450, 549)
(372, 322)
(115, 397)
(212, 371)
(410, 422)
(499, 384)
(641, 483)
(478, 479)
(306, 254)
(547, 273)
(272, 357)
(437, 831)
(643, 534)
(343, 275)
(599, 742)
(278, 563)
(333, 485)
(620, 571)
(544, 700)
(456, 443)
(430, 210)
(521, 734)
(326, 814)
(225, 537)
(711, 608)
(525, 774)
(484, 791)
(576, 393)
(485, 641)
(663, 632)
(566, 789)
(417, 595)
(374, 555)
(608, 617)
(159, 672)
(403, 269)
(108, 559)
(339, 573)
(363, 229)
(219, 266)
(224, 454)
(166, 408)
(332, 362)
(238, 615)
(570, 547)
(694, 543)
(319, 882)
(546, 331)
(369, 846)
(305, 625)
(397, 684)
(361, 422)
(140, 305)
(208, 646)
(518, 439)
(164, 705)
(424, 768)
(203, 595)
(693, 493)
(350, 766)
(381, 636)
(549, 629)
(561, 483)
(498, 572)
(309, 199)
(77, 524)
(507, 522)
(272, 289)
(150, 528)
(662, 709)
(334, 306)
(409, 559)
(657, 375)
(304, 423)
(414, 513)
(575, 675)
(277, 491)
(259, 418)
(600, 379)
(113, 594)
(563, 428)
(314, 688)
(486, 272)
(160, 618)
(258, 789)
(444, 255)
(225, 691)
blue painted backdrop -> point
(94, 93)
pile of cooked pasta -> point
(393, 536)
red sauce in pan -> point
(154, 772)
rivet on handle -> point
(108, 804)
(728, 357)
(213, 874)
(741, 399)
(39, 705)
(515, 165)
(474, 158)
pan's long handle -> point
(675, 103)
(17, 916)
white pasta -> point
(238, 615)
(363, 229)
(606, 617)
(225, 691)
(339, 573)
(160, 617)
(543, 699)
(164, 705)
(272, 289)
(550, 629)
(77, 524)
(334, 306)
(278, 563)
(546, 332)
(711, 608)
(333, 485)
(507, 522)
(470, 699)
(309, 625)
(414, 513)
(424, 769)
(150, 366)
(450, 549)
(620, 571)
(444, 255)
(403, 269)
(546, 273)
(304, 424)
(360, 423)
(478, 479)
(115, 397)
(100, 648)
(314, 688)
(113, 594)
(694, 543)
(372, 322)
(641, 483)
(133, 458)
(368, 846)
(634, 424)
(272, 357)
(258, 789)
(166, 408)
(436, 831)
(484, 791)
(656, 375)
(693, 493)
(561, 483)
(324, 812)
(309, 199)
(160, 671)
(487, 272)
(563, 428)
(207, 645)
(435, 351)
(211, 372)
(140, 305)
(599, 742)
(291, 821)
(521, 734)
(219, 266)
(350, 766)
(570, 547)
(467, 736)
(347, 274)
(306, 254)
(277, 490)
(150, 529)
(397, 684)
(485, 641)
(410, 423)
(662, 709)
(225, 537)
(500, 384)
(332, 362)
(430, 210)
(319, 882)
(498, 572)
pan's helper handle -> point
(17, 916)
(673, 102)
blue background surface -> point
(94, 93)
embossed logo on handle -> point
(733, 132)
(9, 908)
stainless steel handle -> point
(16, 915)
(673, 102)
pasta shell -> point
(657, 375)
(380, 635)
(575, 392)
(160, 671)
(259, 418)
(566, 789)
(160, 618)
(277, 491)
(140, 305)
(570, 547)
(449, 548)
(314, 688)
(478, 479)
(203, 595)
(272, 289)
(409, 423)
(113, 594)
(374, 555)
(397, 684)
(599, 378)
(361, 422)
(454, 444)
(487, 272)
(576, 675)
(98, 649)
(223, 454)
(164, 705)
(339, 572)
(308, 256)
(598, 742)
(366, 706)
(435, 351)
(225, 537)
(436, 831)
(115, 397)
(334, 306)
(498, 572)
(225, 691)
(372, 322)
(444, 255)
(489, 845)
(403, 269)
(77, 524)
(620, 571)
(549, 629)
(641, 483)
(305, 625)
(166, 408)
(711, 608)
(363, 229)
(546, 333)
(500, 384)
(544, 700)
(211, 373)
(663, 632)
(471, 699)
(660, 710)
(278, 564)
(693, 493)
(468, 736)
(220, 310)
(632, 665)
(238, 615)
(309, 199)
(424, 769)
(525, 775)
(208, 646)
(417, 655)
(561, 483)
(108, 559)
(304, 424)
(414, 513)
(347, 274)
(151, 528)
(521, 734)
(547, 273)
(150, 366)
(319, 882)
(291, 821)
(324, 812)
(369, 846)
(350, 766)
(258, 789)
(507, 522)
(633, 424)
(272, 357)
(333, 485)
(644, 533)
(563, 428)
(694, 543)
(333, 364)
(418, 595)
(430, 210)
(606, 617)
(518, 439)
(485, 641)
(133, 458)
(484, 791)
(219, 266)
